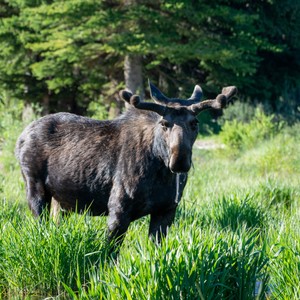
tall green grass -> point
(188, 265)
(236, 232)
(43, 259)
(37, 258)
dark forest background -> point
(76, 55)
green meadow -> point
(236, 234)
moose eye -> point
(194, 124)
(165, 124)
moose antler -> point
(135, 101)
(160, 98)
(164, 105)
(229, 92)
(220, 102)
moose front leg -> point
(118, 224)
(119, 212)
(159, 224)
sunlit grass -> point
(237, 228)
(38, 257)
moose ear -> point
(197, 94)
(125, 95)
(157, 95)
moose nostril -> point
(180, 164)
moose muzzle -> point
(180, 151)
(179, 163)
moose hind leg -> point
(38, 198)
(159, 224)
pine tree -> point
(66, 54)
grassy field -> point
(236, 234)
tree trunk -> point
(134, 75)
(46, 104)
(133, 71)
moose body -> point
(125, 168)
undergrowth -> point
(236, 233)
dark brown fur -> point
(126, 168)
(117, 168)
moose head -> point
(177, 128)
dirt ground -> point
(208, 145)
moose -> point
(125, 168)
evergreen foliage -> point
(67, 54)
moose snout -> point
(180, 151)
(180, 163)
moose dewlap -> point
(125, 168)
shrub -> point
(240, 135)
(277, 157)
(12, 122)
(242, 112)
(13, 118)
(97, 110)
